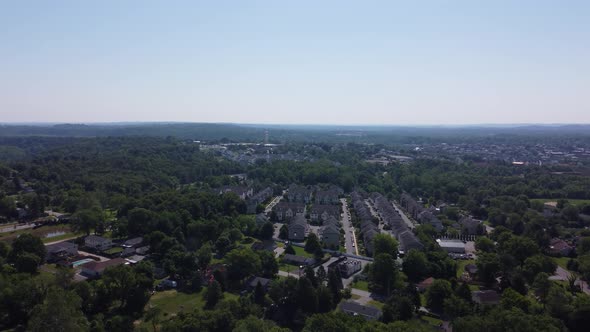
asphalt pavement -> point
(349, 235)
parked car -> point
(166, 284)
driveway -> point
(562, 274)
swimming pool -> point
(82, 261)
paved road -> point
(404, 217)
(349, 235)
(16, 227)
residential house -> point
(394, 220)
(298, 228)
(428, 218)
(287, 210)
(142, 250)
(323, 212)
(261, 219)
(409, 203)
(423, 285)
(133, 243)
(368, 240)
(329, 196)
(61, 250)
(452, 246)
(408, 241)
(241, 191)
(299, 194)
(356, 309)
(349, 267)
(257, 199)
(127, 252)
(559, 247)
(96, 269)
(471, 226)
(98, 242)
(330, 235)
(485, 297)
(254, 281)
(298, 260)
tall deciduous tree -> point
(415, 265)
(59, 312)
(384, 244)
(384, 273)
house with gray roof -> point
(357, 309)
(285, 211)
(323, 212)
(299, 194)
(330, 235)
(298, 228)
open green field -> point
(171, 302)
(571, 201)
(361, 284)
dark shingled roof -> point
(366, 312)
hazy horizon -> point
(378, 63)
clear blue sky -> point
(337, 62)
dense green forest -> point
(161, 188)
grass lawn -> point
(473, 287)
(561, 261)
(114, 250)
(172, 301)
(431, 320)
(376, 304)
(571, 201)
(361, 284)
(280, 244)
(562, 283)
(461, 266)
(422, 299)
(110, 214)
(355, 297)
(299, 251)
(288, 267)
